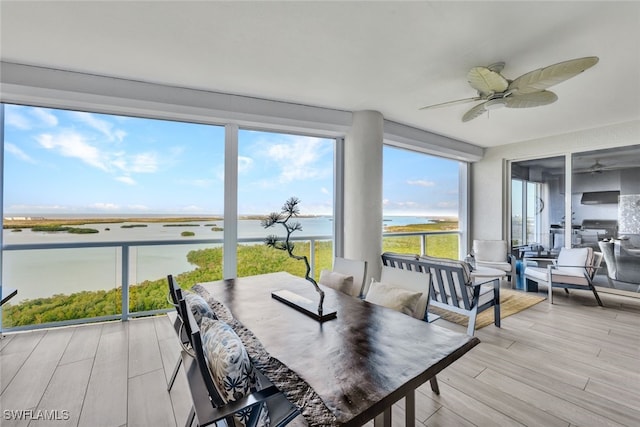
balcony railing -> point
(125, 257)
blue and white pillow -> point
(230, 367)
(199, 307)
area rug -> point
(511, 302)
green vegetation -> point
(181, 225)
(187, 234)
(133, 225)
(58, 228)
(252, 260)
(217, 229)
(74, 230)
(34, 222)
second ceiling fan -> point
(528, 90)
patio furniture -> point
(223, 358)
(453, 288)
(347, 276)
(359, 363)
(494, 254)
(574, 269)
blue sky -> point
(67, 162)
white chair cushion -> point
(355, 268)
(573, 257)
(411, 280)
(393, 297)
(541, 275)
(490, 250)
(504, 266)
(537, 274)
(338, 281)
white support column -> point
(230, 249)
(363, 191)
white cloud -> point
(75, 145)
(104, 206)
(422, 183)
(34, 208)
(44, 116)
(408, 204)
(324, 191)
(298, 159)
(17, 120)
(102, 126)
(71, 144)
(16, 151)
(144, 163)
(126, 179)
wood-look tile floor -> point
(569, 364)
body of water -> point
(42, 273)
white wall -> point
(489, 176)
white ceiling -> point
(393, 56)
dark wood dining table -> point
(359, 363)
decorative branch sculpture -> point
(289, 210)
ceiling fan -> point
(597, 168)
(528, 90)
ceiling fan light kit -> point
(526, 91)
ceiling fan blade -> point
(529, 100)
(486, 81)
(474, 112)
(448, 103)
(542, 78)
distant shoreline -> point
(13, 222)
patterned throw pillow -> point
(199, 307)
(230, 367)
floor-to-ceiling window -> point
(272, 168)
(86, 195)
(421, 197)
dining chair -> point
(174, 296)
(346, 276)
(224, 385)
(574, 269)
(198, 307)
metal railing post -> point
(125, 282)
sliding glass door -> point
(537, 205)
